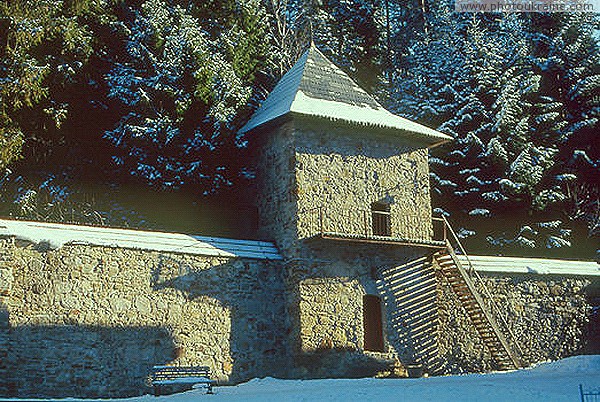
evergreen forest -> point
(126, 113)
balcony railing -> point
(362, 224)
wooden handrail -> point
(359, 221)
(468, 276)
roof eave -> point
(440, 142)
(265, 124)
(427, 140)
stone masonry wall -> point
(346, 170)
(89, 321)
(332, 279)
(277, 206)
(332, 333)
(547, 314)
(331, 314)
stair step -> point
(484, 327)
(471, 305)
(454, 276)
(449, 270)
(471, 302)
(488, 336)
(501, 356)
(507, 363)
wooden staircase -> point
(480, 306)
(411, 292)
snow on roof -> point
(316, 87)
(542, 266)
(58, 235)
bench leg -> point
(209, 389)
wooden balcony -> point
(372, 226)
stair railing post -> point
(445, 225)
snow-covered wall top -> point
(58, 235)
(533, 266)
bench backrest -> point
(589, 395)
(169, 372)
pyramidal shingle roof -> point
(316, 87)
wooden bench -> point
(172, 376)
(589, 395)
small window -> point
(372, 322)
(380, 213)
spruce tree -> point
(186, 77)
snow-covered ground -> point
(548, 382)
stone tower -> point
(344, 193)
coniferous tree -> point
(348, 32)
(183, 84)
(516, 97)
(44, 45)
(159, 87)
